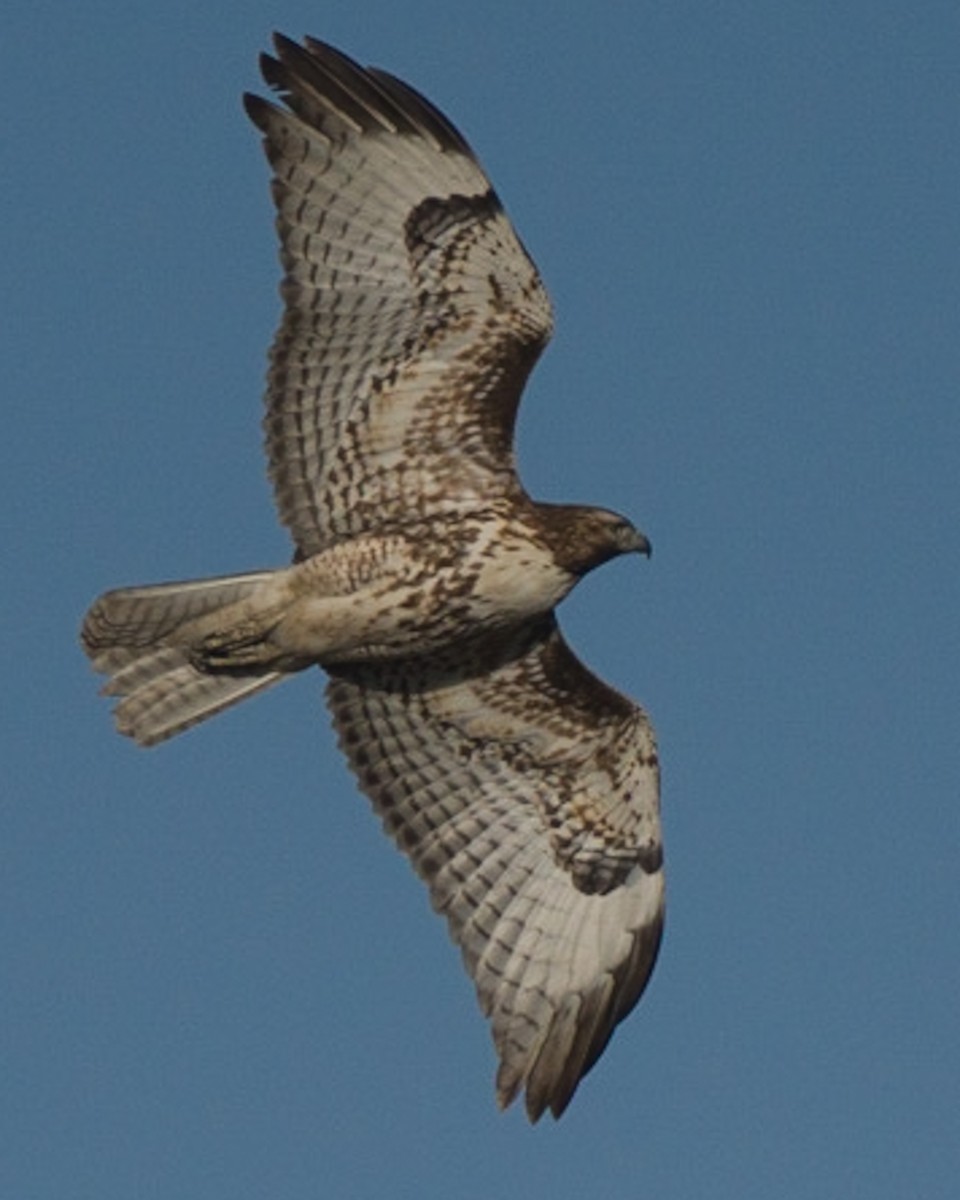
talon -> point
(233, 648)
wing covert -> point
(412, 313)
(525, 793)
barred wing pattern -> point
(413, 315)
(525, 793)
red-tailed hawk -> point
(523, 790)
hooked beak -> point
(640, 544)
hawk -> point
(523, 789)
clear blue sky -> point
(217, 978)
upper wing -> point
(413, 315)
(526, 794)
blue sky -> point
(218, 978)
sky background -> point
(217, 978)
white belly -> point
(403, 606)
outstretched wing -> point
(413, 315)
(525, 793)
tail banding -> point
(147, 638)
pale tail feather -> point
(141, 638)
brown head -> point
(582, 537)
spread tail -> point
(153, 643)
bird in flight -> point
(524, 791)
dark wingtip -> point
(366, 95)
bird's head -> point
(583, 537)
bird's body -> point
(523, 789)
